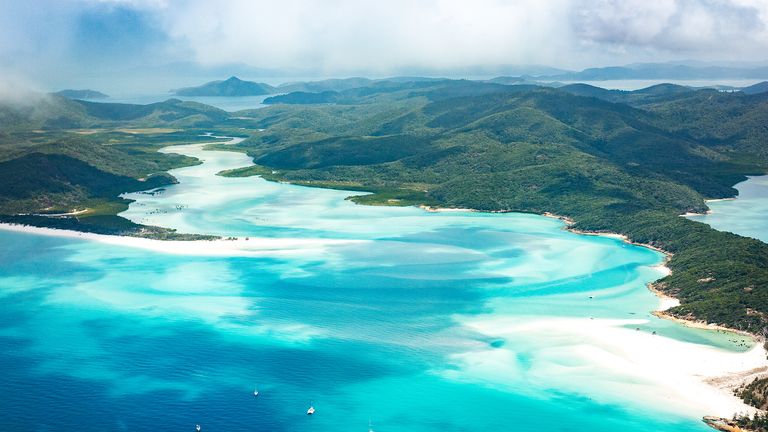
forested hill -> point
(59, 155)
(627, 162)
(58, 113)
(232, 86)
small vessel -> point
(197, 428)
(370, 428)
(256, 391)
(311, 409)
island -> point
(82, 94)
(231, 87)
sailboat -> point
(256, 391)
(311, 409)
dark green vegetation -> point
(82, 94)
(755, 393)
(46, 181)
(757, 423)
(760, 87)
(301, 97)
(59, 156)
(232, 86)
(626, 162)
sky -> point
(51, 43)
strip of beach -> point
(241, 246)
(650, 369)
(687, 377)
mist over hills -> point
(662, 71)
(534, 75)
(158, 79)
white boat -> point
(311, 409)
(370, 428)
(197, 428)
(256, 391)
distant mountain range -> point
(662, 71)
(82, 94)
(658, 93)
(235, 86)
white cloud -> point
(730, 29)
(348, 34)
(378, 37)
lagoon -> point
(417, 321)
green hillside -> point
(630, 164)
(232, 86)
(626, 162)
(59, 155)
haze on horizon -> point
(50, 44)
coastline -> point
(708, 212)
(657, 371)
(690, 214)
(712, 387)
(240, 246)
(723, 379)
(727, 379)
(432, 209)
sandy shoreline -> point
(699, 378)
(726, 375)
(431, 209)
(689, 214)
(244, 246)
(614, 361)
(708, 212)
(712, 386)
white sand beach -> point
(446, 209)
(638, 365)
(253, 246)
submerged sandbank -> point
(615, 361)
(242, 246)
(654, 367)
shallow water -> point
(101, 337)
(747, 215)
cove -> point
(416, 321)
(745, 215)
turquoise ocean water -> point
(99, 337)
